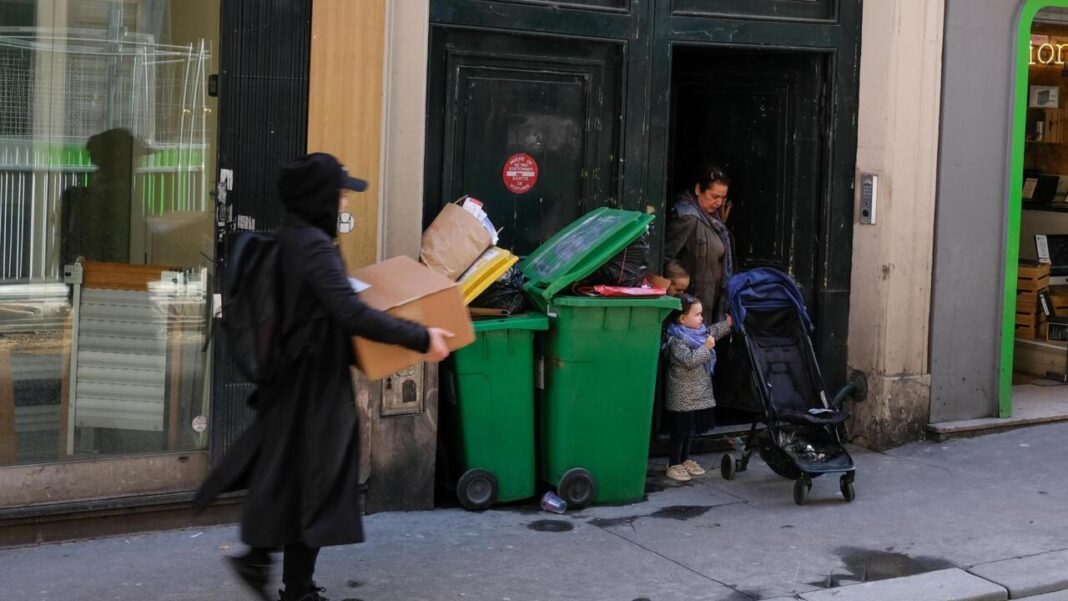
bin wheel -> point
(477, 489)
(801, 487)
(578, 487)
(846, 484)
(728, 467)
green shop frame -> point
(1025, 22)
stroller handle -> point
(856, 387)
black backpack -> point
(252, 309)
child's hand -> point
(710, 342)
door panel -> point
(809, 165)
(758, 115)
(552, 98)
(617, 5)
(808, 10)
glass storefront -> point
(107, 146)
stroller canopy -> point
(764, 288)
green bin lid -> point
(527, 321)
(579, 249)
(658, 302)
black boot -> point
(254, 569)
(306, 593)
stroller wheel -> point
(801, 487)
(846, 484)
(728, 467)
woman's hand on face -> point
(725, 210)
(710, 342)
(439, 346)
(730, 321)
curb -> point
(1028, 576)
(1041, 577)
(953, 584)
(1058, 596)
(943, 431)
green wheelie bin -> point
(493, 411)
(598, 361)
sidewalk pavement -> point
(975, 519)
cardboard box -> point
(403, 288)
(181, 238)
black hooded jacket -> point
(299, 458)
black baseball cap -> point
(348, 182)
(317, 171)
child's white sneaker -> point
(678, 473)
(693, 468)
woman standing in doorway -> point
(698, 238)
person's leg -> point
(254, 569)
(688, 422)
(298, 569)
(684, 454)
(258, 556)
(679, 437)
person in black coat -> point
(299, 458)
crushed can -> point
(552, 503)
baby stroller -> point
(802, 439)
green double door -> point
(500, 95)
(546, 110)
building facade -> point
(134, 135)
(986, 344)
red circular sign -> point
(520, 173)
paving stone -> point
(1058, 596)
(1028, 576)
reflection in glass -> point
(106, 233)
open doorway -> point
(761, 116)
(1039, 354)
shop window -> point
(107, 143)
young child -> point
(678, 276)
(689, 382)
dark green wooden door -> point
(498, 95)
(634, 87)
(758, 114)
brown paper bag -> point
(453, 242)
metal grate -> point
(263, 106)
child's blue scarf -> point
(694, 339)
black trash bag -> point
(628, 268)
(506, 294)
